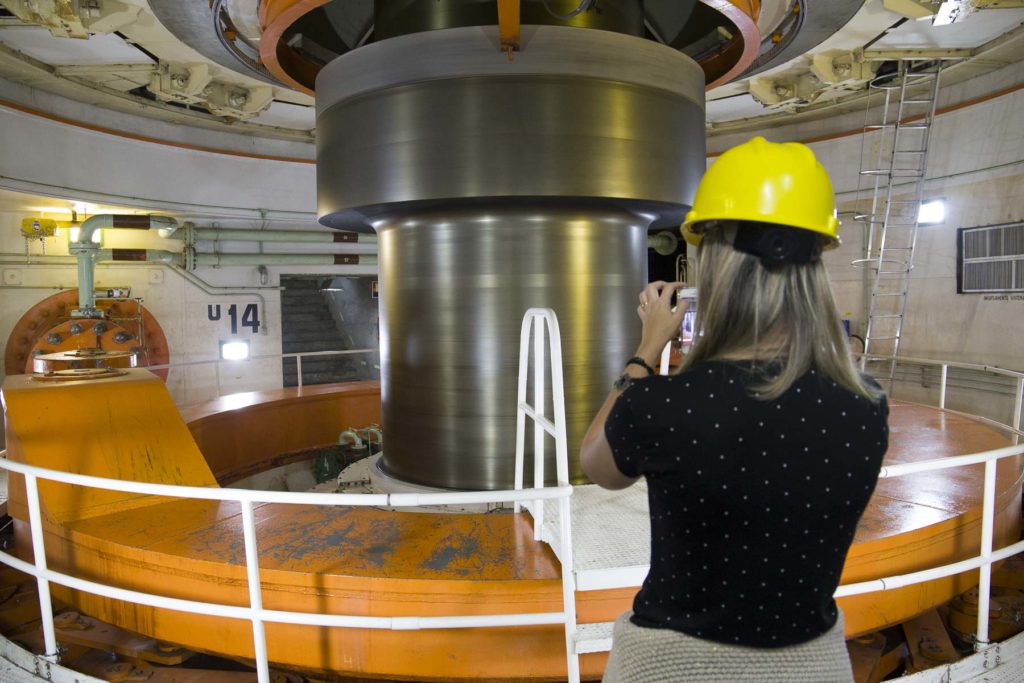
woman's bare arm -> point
(660, 324)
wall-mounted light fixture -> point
(931, 212)
(234, 350)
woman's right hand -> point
(660, 322)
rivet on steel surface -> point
(122, 337)
(53, 338)
(99, 328)
(76, 328)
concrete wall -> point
(42, 158)
(976, 165)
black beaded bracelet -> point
(637, 360)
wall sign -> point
(250, 316)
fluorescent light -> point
(234, 350)
(931, 212)
(73, 235)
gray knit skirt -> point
(652, 655)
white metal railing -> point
(218, 362)
(982, 562)
(537, 320)
(944, 366)
(255, 612)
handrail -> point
(1018, 401)
(952, 364)
(255, 613)
(297, 355)
(538, 319)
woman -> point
(760, 454)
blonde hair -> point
(782, 318)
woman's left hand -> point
(660, 321)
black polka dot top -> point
(753, 503)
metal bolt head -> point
(76, 328)
(53, 338)
(122, 337)
(99, 328)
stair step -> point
(304, 307)
(594, 637)
(324, 328)
(307, 320)
(301, 336)
(310, 346)
(327, 363)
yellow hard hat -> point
(766, 182)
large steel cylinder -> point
(497, 186)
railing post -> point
(988, 505)
(1018, 399)
(298, 370)
(942, 386)
(252, 570)
(568, 590)
(538, 431)
(35, 519)
(524, 357)
(564, 505)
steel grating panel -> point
(611, 534)
(594, 637)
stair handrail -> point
(537, 320)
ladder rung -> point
(895, 173)
(903, 126)
(918, 101)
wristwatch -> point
(623, 382)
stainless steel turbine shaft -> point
(496, 186)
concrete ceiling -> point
(115, 69)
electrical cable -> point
(583, 7)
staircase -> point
(307, 325)
(894, 173)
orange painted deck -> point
(365, 561)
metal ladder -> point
(894, 174)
